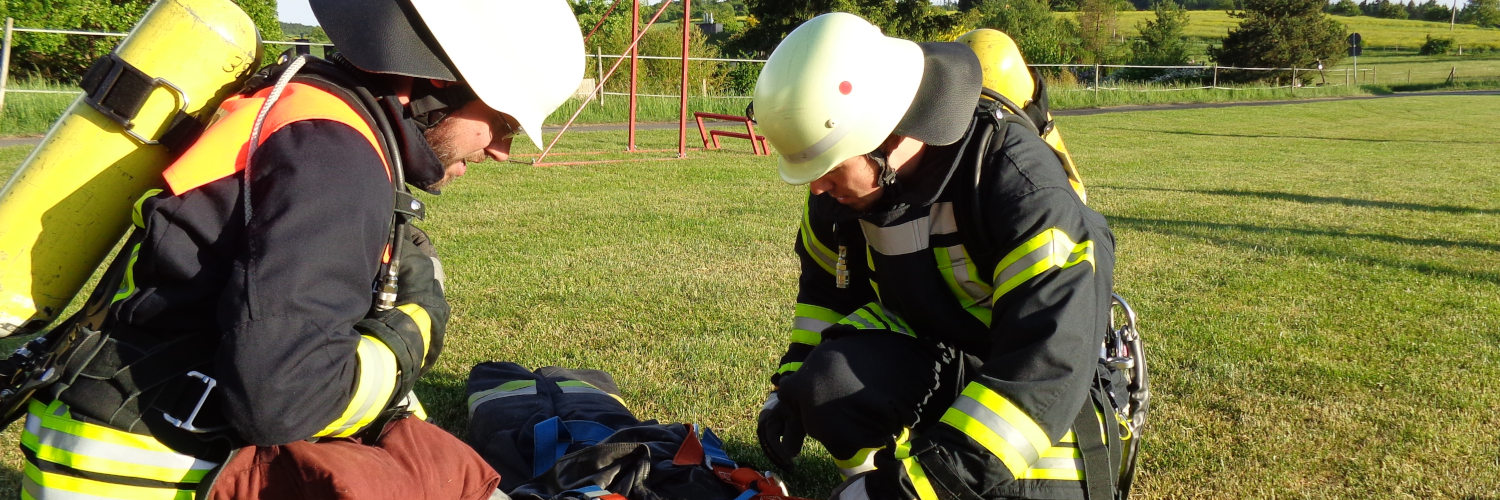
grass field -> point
(1377, 34)
(1317, 282)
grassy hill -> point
(1378, 34)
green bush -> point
(1436, 46)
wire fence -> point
(1091, 77)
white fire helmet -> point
(834, 89)
(523, 58)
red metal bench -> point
(757, 142)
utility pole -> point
(1453, 16)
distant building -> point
(710, 27)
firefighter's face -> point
(471, 134)
(854, 182)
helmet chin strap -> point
(885, 175)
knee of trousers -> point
(861, 390)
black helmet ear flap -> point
(944, 104)
(431, 103)
(383, 36)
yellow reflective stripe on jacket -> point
(419, 316)
(135, 214)
(372, 390)
(53, 486)
(505, 390)
(999, 426)
(963, 280)
(1062, 462)
(127, 282)
(789, 367)
(1051, 249)
(53, 436)
(913, 469)
(819, 252)
(809, 322)
(874, 317)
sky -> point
(295, 11)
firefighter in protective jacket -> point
(954, 290)
(270, 313)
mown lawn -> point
(1317, 282)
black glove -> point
(780, 432)
(421, 283)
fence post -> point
(5, 61)
(1374, 75)
(599, 67)
(1216, 76)
(1295, 81)
(1096, 78)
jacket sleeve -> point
(1050, 305)
(292, 365)
(820, 303)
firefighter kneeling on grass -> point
(246, 354)
(954, 290)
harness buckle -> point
(208, 386)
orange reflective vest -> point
(224, 148)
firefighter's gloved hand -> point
(780, 432)
(420, 283)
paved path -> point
(18, 141)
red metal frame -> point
(637, 32)
(757, 142)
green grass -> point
(1317, 282)
(1378, 34)
(32, 113)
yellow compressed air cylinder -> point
(1006, 72)
(68, 204)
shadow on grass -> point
(1213, 232)
(1288, 136)
(1327, 200)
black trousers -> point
(860, 388)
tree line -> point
(1271, 33)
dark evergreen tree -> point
(772, 19)
(1281, 34)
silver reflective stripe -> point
(1068, 464)
(859, 321)
(372, 397)
(901, 239)
(977, 291)
(810, 324)
(817, 148)
(1040, 254)
(79, 445)
(942, 218)
(999, 426)
(855, 490)
(524, 391)
(911, 236)
(578, 389)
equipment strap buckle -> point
(117, 89)
(208, 386)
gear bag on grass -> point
(566, 434)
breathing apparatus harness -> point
(55, 361)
